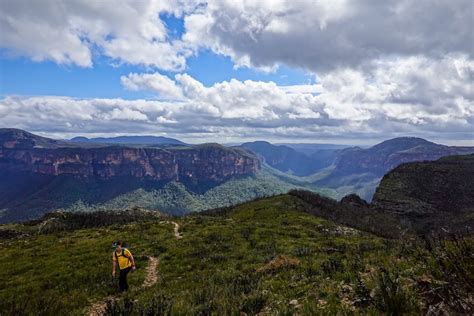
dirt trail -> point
(98, 308)
(177, 234)
(151, 273)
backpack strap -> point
(123, 253)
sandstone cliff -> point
(24, 152)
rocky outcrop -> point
(424, 188)
(431, 195)
(418, 197)
(24, 152)
(351, 211)
(353, 200)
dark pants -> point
(123, 279)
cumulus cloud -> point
(156, 82)
(319, 35)
(397, 97)
(403, 90)
(72, 31)
(384, 68)
(323, 35)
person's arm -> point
(114, 265)
(133, 261)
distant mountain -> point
(141, 140)
(38, 174)
(387, 155)
(289, 160)
(359, 170)
(310, 149)
(17, 138)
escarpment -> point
(24, 152)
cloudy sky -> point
(330, 71)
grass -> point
(261, 256)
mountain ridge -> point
(360, 169)
(40, 174)
(47, 173)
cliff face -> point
(39, 174)
(431, 194)
(422, 188)
(26, 152)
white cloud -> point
(126, 114)
(319, 35)
(156, 82)
(71, 31)
(384, 68)
(322, 35)
(417, 90)
(396, 97)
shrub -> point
(244, 283)
(254, 303)
(390, 295)
(160, 305)
(451, 277)
(332, 265)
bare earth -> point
(177, 234)
(151, 274)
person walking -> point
(126, 263)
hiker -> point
(126, 264)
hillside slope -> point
(28, 196)
(262, 256)
(417, 197)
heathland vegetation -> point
(263, 256)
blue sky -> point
(230, 71)
(22, 76)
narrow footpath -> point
(99, 308)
